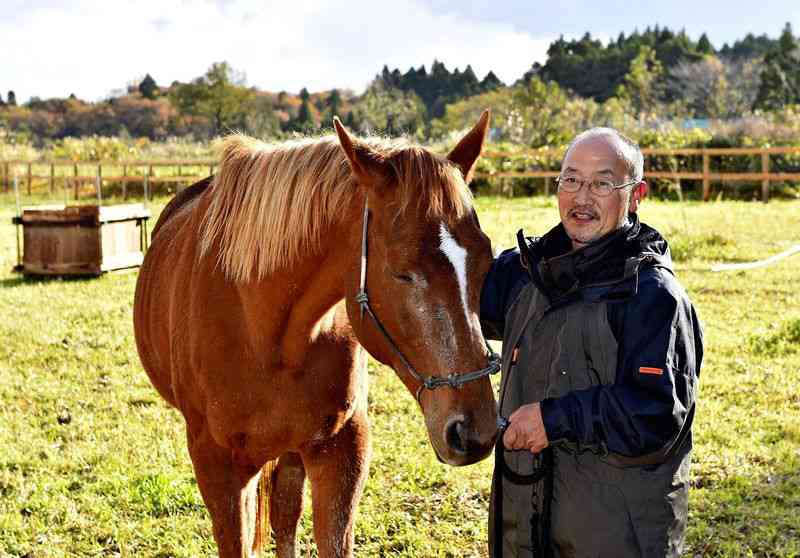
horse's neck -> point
(300, 298)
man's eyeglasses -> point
(599, 187)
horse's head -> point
(426, 260)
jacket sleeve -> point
(501, 286)
(648, 407)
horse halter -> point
(453, 380)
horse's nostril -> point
(456, 435)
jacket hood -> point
(606, 268)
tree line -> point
(639, 80)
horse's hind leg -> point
(286, 502)
(229, 490)
(337, 469)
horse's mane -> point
(271, 203)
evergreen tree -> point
(591, 69)
(396, 78)
(704, 46)
(386, 76)
(148, 87)
(437, 88)
(334, 102)
(304, 121)
(749, 47)
(490, 82)
(787, 42)
(780, 78)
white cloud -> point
(94, 46)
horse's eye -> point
(403, 277)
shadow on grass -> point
(20, 280)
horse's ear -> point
(469, 148)
(366, 164)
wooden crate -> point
(82, 240)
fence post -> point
(98, 184)
(147, 185)
(52, 177)
(75, 181)
(124, 182)
(30, 177)
(66, 189)
(706, 181)
(546, 186)
(765, 181)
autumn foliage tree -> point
(220, 95)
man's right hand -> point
(526, 430)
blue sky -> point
(52, 48)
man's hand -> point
(526, 430)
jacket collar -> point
(605, 269)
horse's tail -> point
(262, 527)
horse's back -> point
(180, 200)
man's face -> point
(586, 216)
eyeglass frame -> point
(591, 182)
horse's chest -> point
(282, 408)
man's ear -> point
(638, 193)
(367, 165)
(466, 153)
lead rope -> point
(542, 470)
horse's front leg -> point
(337, 470)
(228, 485)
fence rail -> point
(73, 174)
(705, 174)
(180, 171)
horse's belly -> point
(153, 308)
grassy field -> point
(93, 463)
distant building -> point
(701, 123)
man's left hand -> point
(526, 429)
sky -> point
(52, 48)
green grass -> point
(93, 463)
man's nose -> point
(583, 195)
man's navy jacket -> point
(650, 316)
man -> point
(601, 355)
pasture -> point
(93, 463)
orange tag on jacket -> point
(514, 355)
(653, 371)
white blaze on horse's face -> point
(458, 258)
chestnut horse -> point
(249, 319)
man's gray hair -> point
(628, 149)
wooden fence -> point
(73, 175)
(705, 175)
